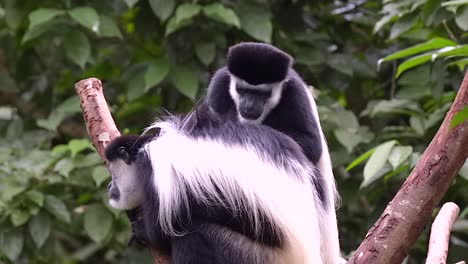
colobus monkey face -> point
(257, 73)
(125, 190)
(254, 102)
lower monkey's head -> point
(125, 189)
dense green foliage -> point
(154, 55)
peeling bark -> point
(399, 226)
(101, 127)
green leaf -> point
(383, 21)
(390, 106)
(87, 17)
(162, 8)
(57, 208)
(87, 160)
(13, 16)
(360, 159)
(255, 20)
(172, 26)
(347, 119)
(9, 193)
(108, 28)
(454, 2)
(186, 11)
(430, 10)
(460, 117)
(100, 175)
(206, 52)
(402, 25)
(435, 43)
(156, 72)
(38, 30)
(348, 139)
(377, 161)
(341, 63)
(461, 64)
(461, 50)
(395, 172)
(413, 62)
(19, 217)
(182, 17)
(77, 47)
(220, 13)
(15, 129)
(43, 15)
(36, 197)
(185, 80)
(39, 228)
(399, 155)
(11, 244)
(417, 123)
(464, 170)
(136, 86)
(131, 3)
(98, 222)
(67, 108)
(64, 167)
(78, 145)
(461, 19)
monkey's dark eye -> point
(124, 154)
(122, 151)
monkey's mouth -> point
(114, 195)
(113, 192)
(250, 114)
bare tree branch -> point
(395, 232)
(101, 127)
(440, 234)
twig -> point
(440, 234)
(449, 32)
(394, 233)
(101, 127)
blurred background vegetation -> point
(385, 73)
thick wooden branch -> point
(395, 232)
(101, 127)
(440, 234)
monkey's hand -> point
(138, 228)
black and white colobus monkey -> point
(216, 190)
(259, 86)
(220, 192)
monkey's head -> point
(258, 63)
(257, 72)
(125, 189)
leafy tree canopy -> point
(385, 74)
